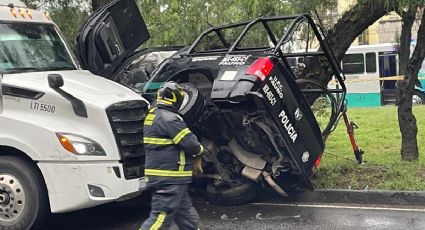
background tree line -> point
(179, 22)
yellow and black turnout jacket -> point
(170, 147)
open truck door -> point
(109, 36)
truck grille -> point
(126, 120)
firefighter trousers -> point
(171, 203)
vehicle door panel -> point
(109, 36)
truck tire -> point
(242, 192)
(418, 98)
(193, 105)
(23, 196)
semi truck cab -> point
(68, 139)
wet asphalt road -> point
(130, 214)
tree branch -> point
(355, 21)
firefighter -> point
(172, 153)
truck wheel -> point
(418, 98)
(242, 192)
(193, 104)
(23, 196)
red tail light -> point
(317, 161)
(261, 68)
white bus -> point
(367, 67)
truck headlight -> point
(79, 145)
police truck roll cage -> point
(338, 108)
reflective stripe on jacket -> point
(170, 148)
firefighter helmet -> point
(170, 94)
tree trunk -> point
(96, 4)
(409, 151)
(405, 88)
(406, 33)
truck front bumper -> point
(79, 185)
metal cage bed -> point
(325, 50)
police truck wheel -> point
(418, 98)
(241, 192)
(23, 197)
(193, 104)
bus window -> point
(353, 63)
(370, 63)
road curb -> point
(383, 197)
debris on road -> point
(224, 217)
(258, 216)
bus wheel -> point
(418, 98)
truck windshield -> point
(26, 47)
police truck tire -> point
(23, 195)
(192, 109)
(241, 193)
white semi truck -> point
(68, 139)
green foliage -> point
(69, 17)
(321, 107)
(179, 22)
(323, 8)
(30, 3)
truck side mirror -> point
(55, 81)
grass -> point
(379, 136)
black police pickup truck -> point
(250, 88)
